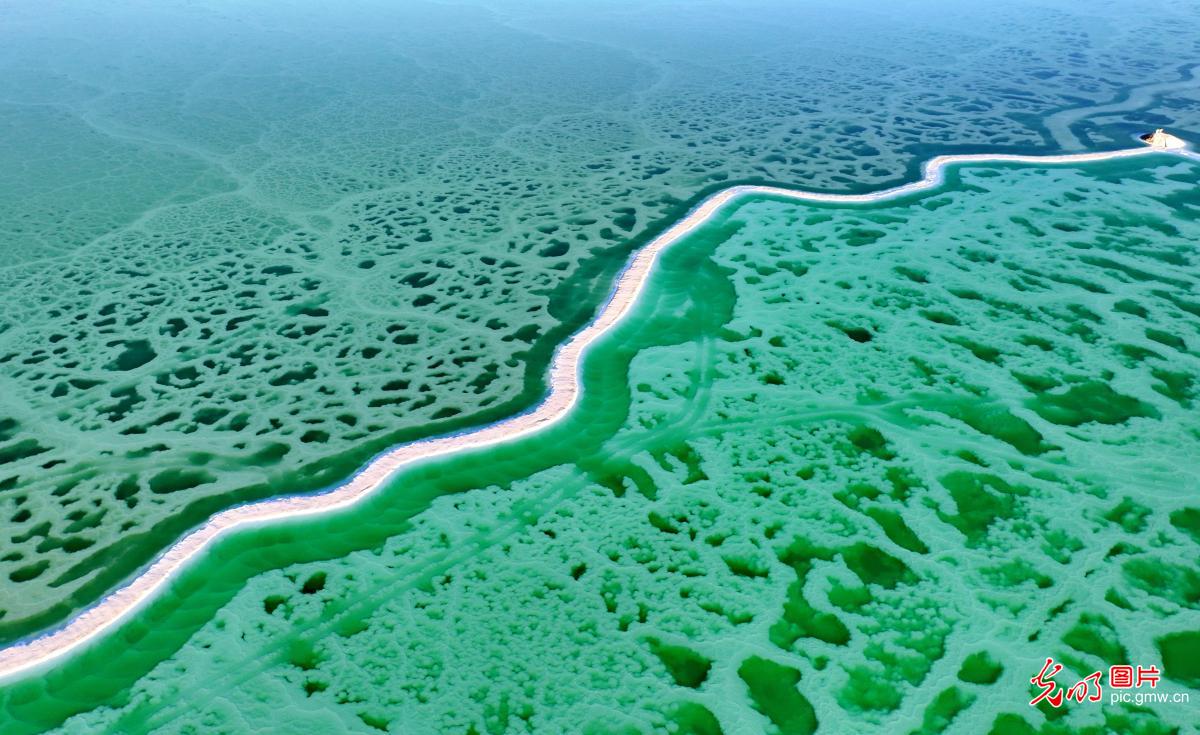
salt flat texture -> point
(563, 394)
(246, 252)
(840, 469)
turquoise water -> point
(801, 489)
(246, 248)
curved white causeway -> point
(564, 392)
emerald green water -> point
(853, 468)
(243, 249)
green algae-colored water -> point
(844, 469)
(861, 469)
(244, 249)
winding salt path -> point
(1059, 124)
(564, 392)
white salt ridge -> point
(565, 389)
